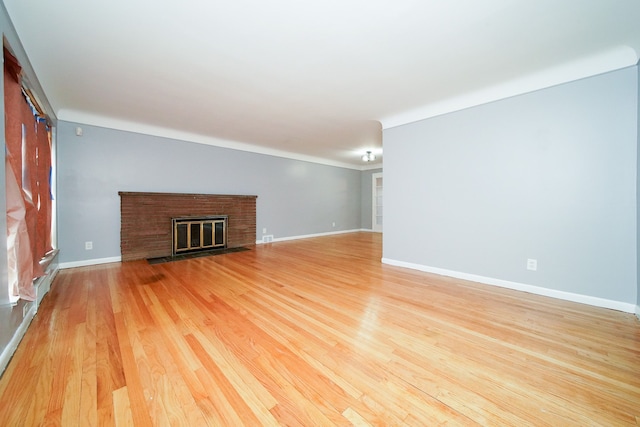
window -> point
(28, 182)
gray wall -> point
(549, 175)
(365, 198)
(638, 207)
(294, 197)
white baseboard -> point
(87, 262)
(307, 236)
(12, 345)
(567, 296)
(42, 286)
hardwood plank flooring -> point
(314, 332)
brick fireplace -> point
(146, 220)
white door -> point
(376, 198)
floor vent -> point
(267, 238)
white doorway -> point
(376, 201)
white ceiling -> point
(311, 80)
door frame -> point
(374, 198)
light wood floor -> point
(314, 332)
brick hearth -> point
(145, 230)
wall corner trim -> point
(553, 293)
(638, 311)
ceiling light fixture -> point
(368, 157)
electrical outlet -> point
(88, 246)
(532, 264)
(333, 224)
(264, 230)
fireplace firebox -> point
(193, 234)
